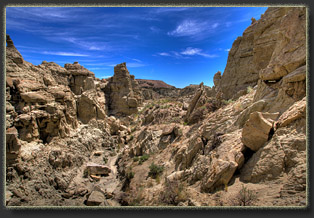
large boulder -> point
(97, 169)
(257, 129)
(95, 198)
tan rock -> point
(97, 169)
(220, 174)
(36, 97)
(95, 199)
(12, 145)
(88, 108)
(256, 131)
(269, 49)
(123, 91)
(296, 111)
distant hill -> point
(145, 83)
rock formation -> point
(263, 45)
(81, 79)
(75, 140)
(124, 93)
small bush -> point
(143, 159)
(135, 159)
(133, 129)
(130, 175)
(105, 159)
(226, 102)
(155, 170)
(136, 197)
(249, 89)
(245, 197)
(173, 193)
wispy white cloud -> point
(64, 54)
(187, 53)
(191, 51)
(164, 54)
(193, 28)
(105, 77)
(196, 51)
(215, 25)
(228, 49)
(137, 60)
(187, 28)
(154, 29)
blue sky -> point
(179, 45)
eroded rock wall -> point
(269, 48)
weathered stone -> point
(95, 199)
(12, 145)
(256, 131)
(296, 76)
(97, 169)
(221, 173)
(35, 97)
(295, 112)
(88, 108)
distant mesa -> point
(145, 83)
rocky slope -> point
(72, 139)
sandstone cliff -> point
(260, 49)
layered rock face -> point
(264, 44)
(41, 100)
(123, 92)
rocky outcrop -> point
(200, 105)
(81, 79)
(197, 101)
(123, 91)
(12, 53)
(269, 48)
(283, 81)
(89, 108)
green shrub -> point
(130, 175)
(143, 159)
(155, 170)
(135, 159)
(105, 159)
(249, 89)
(226, 102)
